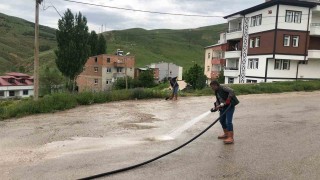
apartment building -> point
(100, 72)
(214, 60)
(278, 40)
(14, 85)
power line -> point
(164, 13)
(145, 11)
(52, 6)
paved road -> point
(276, 137)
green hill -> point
(183, 47)
(17, 41)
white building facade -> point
(278, 40)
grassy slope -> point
(17, 41)
(178, 46)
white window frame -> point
(293, 16)
(209, 55)
(256, 20)
(96, 69)
(286, 40)
(287, 62)
(257, 42)
(251, 43)
(295, 41)
(282, 64)
(253, 63)
(208, 68)
(109, 70)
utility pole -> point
(36, 53)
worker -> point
(225, 97)
(175, 87)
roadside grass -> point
(261, 88)
(63, 101)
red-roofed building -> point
(15, 84)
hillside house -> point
(16, 85)
(100, 72)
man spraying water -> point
(225, 97)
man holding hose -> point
(225, 97)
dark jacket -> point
(173, 82)
(222, 94)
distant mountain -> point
(183, 47)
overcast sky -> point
(113, 19)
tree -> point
(102, 45)
(221, 77)
(51, 80)
(93, 42)
(73, 49)
(146, 78)
(195, 77)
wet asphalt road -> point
(276, 137)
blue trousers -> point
(226, 120)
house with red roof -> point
(16, 84)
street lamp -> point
(125, 62)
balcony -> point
(315, 29)
(232, 54)
(231, 72)
(234, 34)
(119, 64)
(313, 54)
(118, 75)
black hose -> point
(158, 157)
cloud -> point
(113, 19)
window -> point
(109, 70)
(1, 93)
(293, 16)
(96, 59)
(208, 68)
(281, 64)
(96, 81)
(108, 60)
(251, 43)
(119, 70)
(96, 69)
(295, 41)
(25, 92)
(285, 64)
(286, 41)
(251, 81)
(108, 81)
(257, 44)
(11, 93)
(208, 55)
(253, 63)
(256, 20)
(230, 80)
(277, 64)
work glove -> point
(213, 110)
(228, 101)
